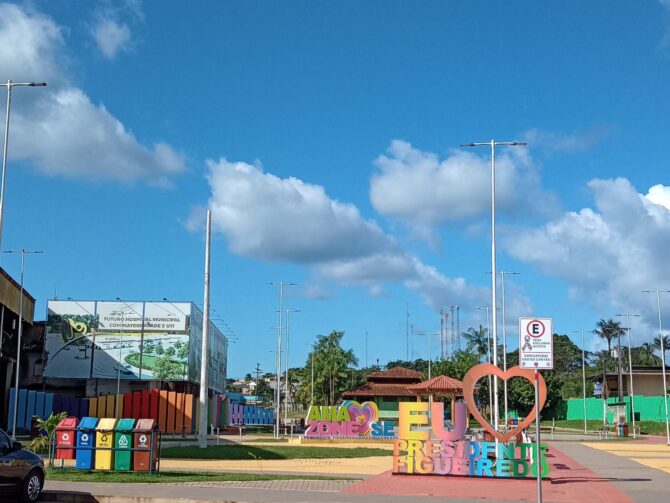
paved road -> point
(643, 484)
(618, 468)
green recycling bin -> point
(123, 442)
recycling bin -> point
(146, 459)
(85, 435)
(66, 438)
(123, 441)
(104, 437)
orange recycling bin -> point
(146, 440)
(66, 438)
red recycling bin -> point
(146, 459)
(66, 438)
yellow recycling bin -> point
(104, 437)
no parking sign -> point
(536, 343)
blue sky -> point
(325, 137)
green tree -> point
(264, 391)
(657, 344)
(45, 440)
(331, 369)
(477, 341)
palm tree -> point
(477, 340)
(608, 330)
(657, 344)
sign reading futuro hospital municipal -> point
(425, 446)
(351, 420)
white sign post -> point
(536, 343)
(536, 351)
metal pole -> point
(584, 380)
(538, 459)
(665, 386)
(619, 370)
(312, 388)
(118, 368)
(494, 278)
(430, 355)
(286, 371)
(366, 349)
(18, 351)
(407, 328)
(204, 354)
(504, 330)
(278, 370)
(631, 390)
(5, 150)
(18, 342)
(630, 377)
(4, 164)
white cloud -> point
(422, 191)
(57, 129)
(607, 254)
(30, 45)
(112, 37)
(270, 218)
(266, 217)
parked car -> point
(21, 471)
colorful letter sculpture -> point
(351, 420)
(447, 452)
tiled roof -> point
(395, 373)
(438, 384)
(376, 389)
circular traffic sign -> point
(535, 329)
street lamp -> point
(9, 85)
(488, 360)
(631, 391)
(494, 305)
(583, 373)
(18, 343)
(660, 335)
(286, 388)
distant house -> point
(647, 381)
(387, 389)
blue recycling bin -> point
(86, 438)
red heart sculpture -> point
(485, 369)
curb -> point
(84, 497)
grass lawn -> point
(269, 452)
(171, 477)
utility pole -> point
(504, 328)
(660, 336)
(204, 351)
(20, 333)
(494, 286)
(278, 358)
(407, 328)
(442, 337)
(286, 383)
(631, 391)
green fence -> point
(647, 408)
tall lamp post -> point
(286, 387)
(204, 348)
(9, 85)
(583, 375)
(281, 285)
(660, 335)
(494, 305)
(18, 343)
(488, 355)
(504, 330)
(631, 391)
